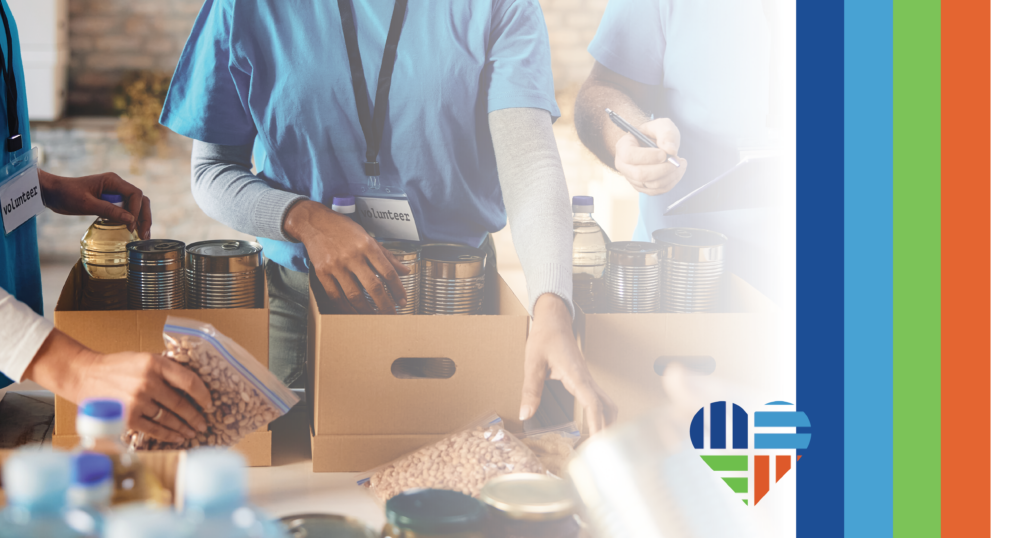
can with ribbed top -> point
(632, 281)
(408, 254)
(224, 273)
(453, 279)
(156, 274)
(691, 268)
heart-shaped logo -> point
(721, 434)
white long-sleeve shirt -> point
(22, 333)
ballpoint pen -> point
(625, 126)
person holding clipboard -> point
(439, 112)
(694, 78)
(31, 349)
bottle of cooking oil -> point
(589, 255)
(105, 258)
(100, 424)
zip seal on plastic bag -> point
(246, 396)
(463, 461)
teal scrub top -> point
(19, 252)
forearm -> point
(59, 363)
(23, 333)
(536, 199)
(226, 190)
(596, 130)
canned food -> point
(408, 253)
(156, 274)
(530, 506)
(691, 269)
(632, 281)
(224, 274)
(326, 526)
(434, 513)
(453, 279)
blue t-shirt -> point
(19, 252)
(277, 73)
(710, 60)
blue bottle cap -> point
(344, 200)
(112, 198)
(90, 468)
(582, 200)
(102, 408)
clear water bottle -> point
(100, 424)
(92, 486)
(589, 255)
(105, 258)
(216, 497)
(36, 484)
(144, 521)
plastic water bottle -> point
(105, 258)
(589, 255)
(216, 497)
(36, 484)
(100, 424)
(92, 486)
(143, 521)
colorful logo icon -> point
(722, 435)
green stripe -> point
(726, 463)
(738, 484)
(916, 268)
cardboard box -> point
(627, 353)
(112, 331)
(364, 416)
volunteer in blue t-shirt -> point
(30, 348)
(439, 112)
(705, 70)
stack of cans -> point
(156, 278)
(632, 281)
(453, 279)
(691, 268)
(408, 253)
(224, 274)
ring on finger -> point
(159, 413)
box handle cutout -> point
(423, 368)
(696, 364)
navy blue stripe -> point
(718, 425)
(697, 429)
(739, 427)
(820, 492)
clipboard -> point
(754, 182)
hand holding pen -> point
(646, 155)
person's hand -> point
(159, 395)
(551, 352)
(81, 196)
(647, 169)
(345, 257)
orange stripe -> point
(781, 466)
(965, 268)
(762, 475)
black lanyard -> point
(373, 128)
(11, 85)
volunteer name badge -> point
(20, 196)
(387, 218)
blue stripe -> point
(868, 268)
(697, 429)
(739, 427)
(718, 425)
(775, 419)
(798, 441)
(819, 261)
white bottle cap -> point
(214, 477)
(100, 417)
(37, 476)
(346, 205)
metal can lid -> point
(435, 511)
(403, 250)
(452, 261)
(633, 253)
(691, 244)
(155, 249)
(326, 526)
(532, 497)
(226, 248)
(224, 256)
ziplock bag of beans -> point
(554, 446)
(246, 396)
(462, 462)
